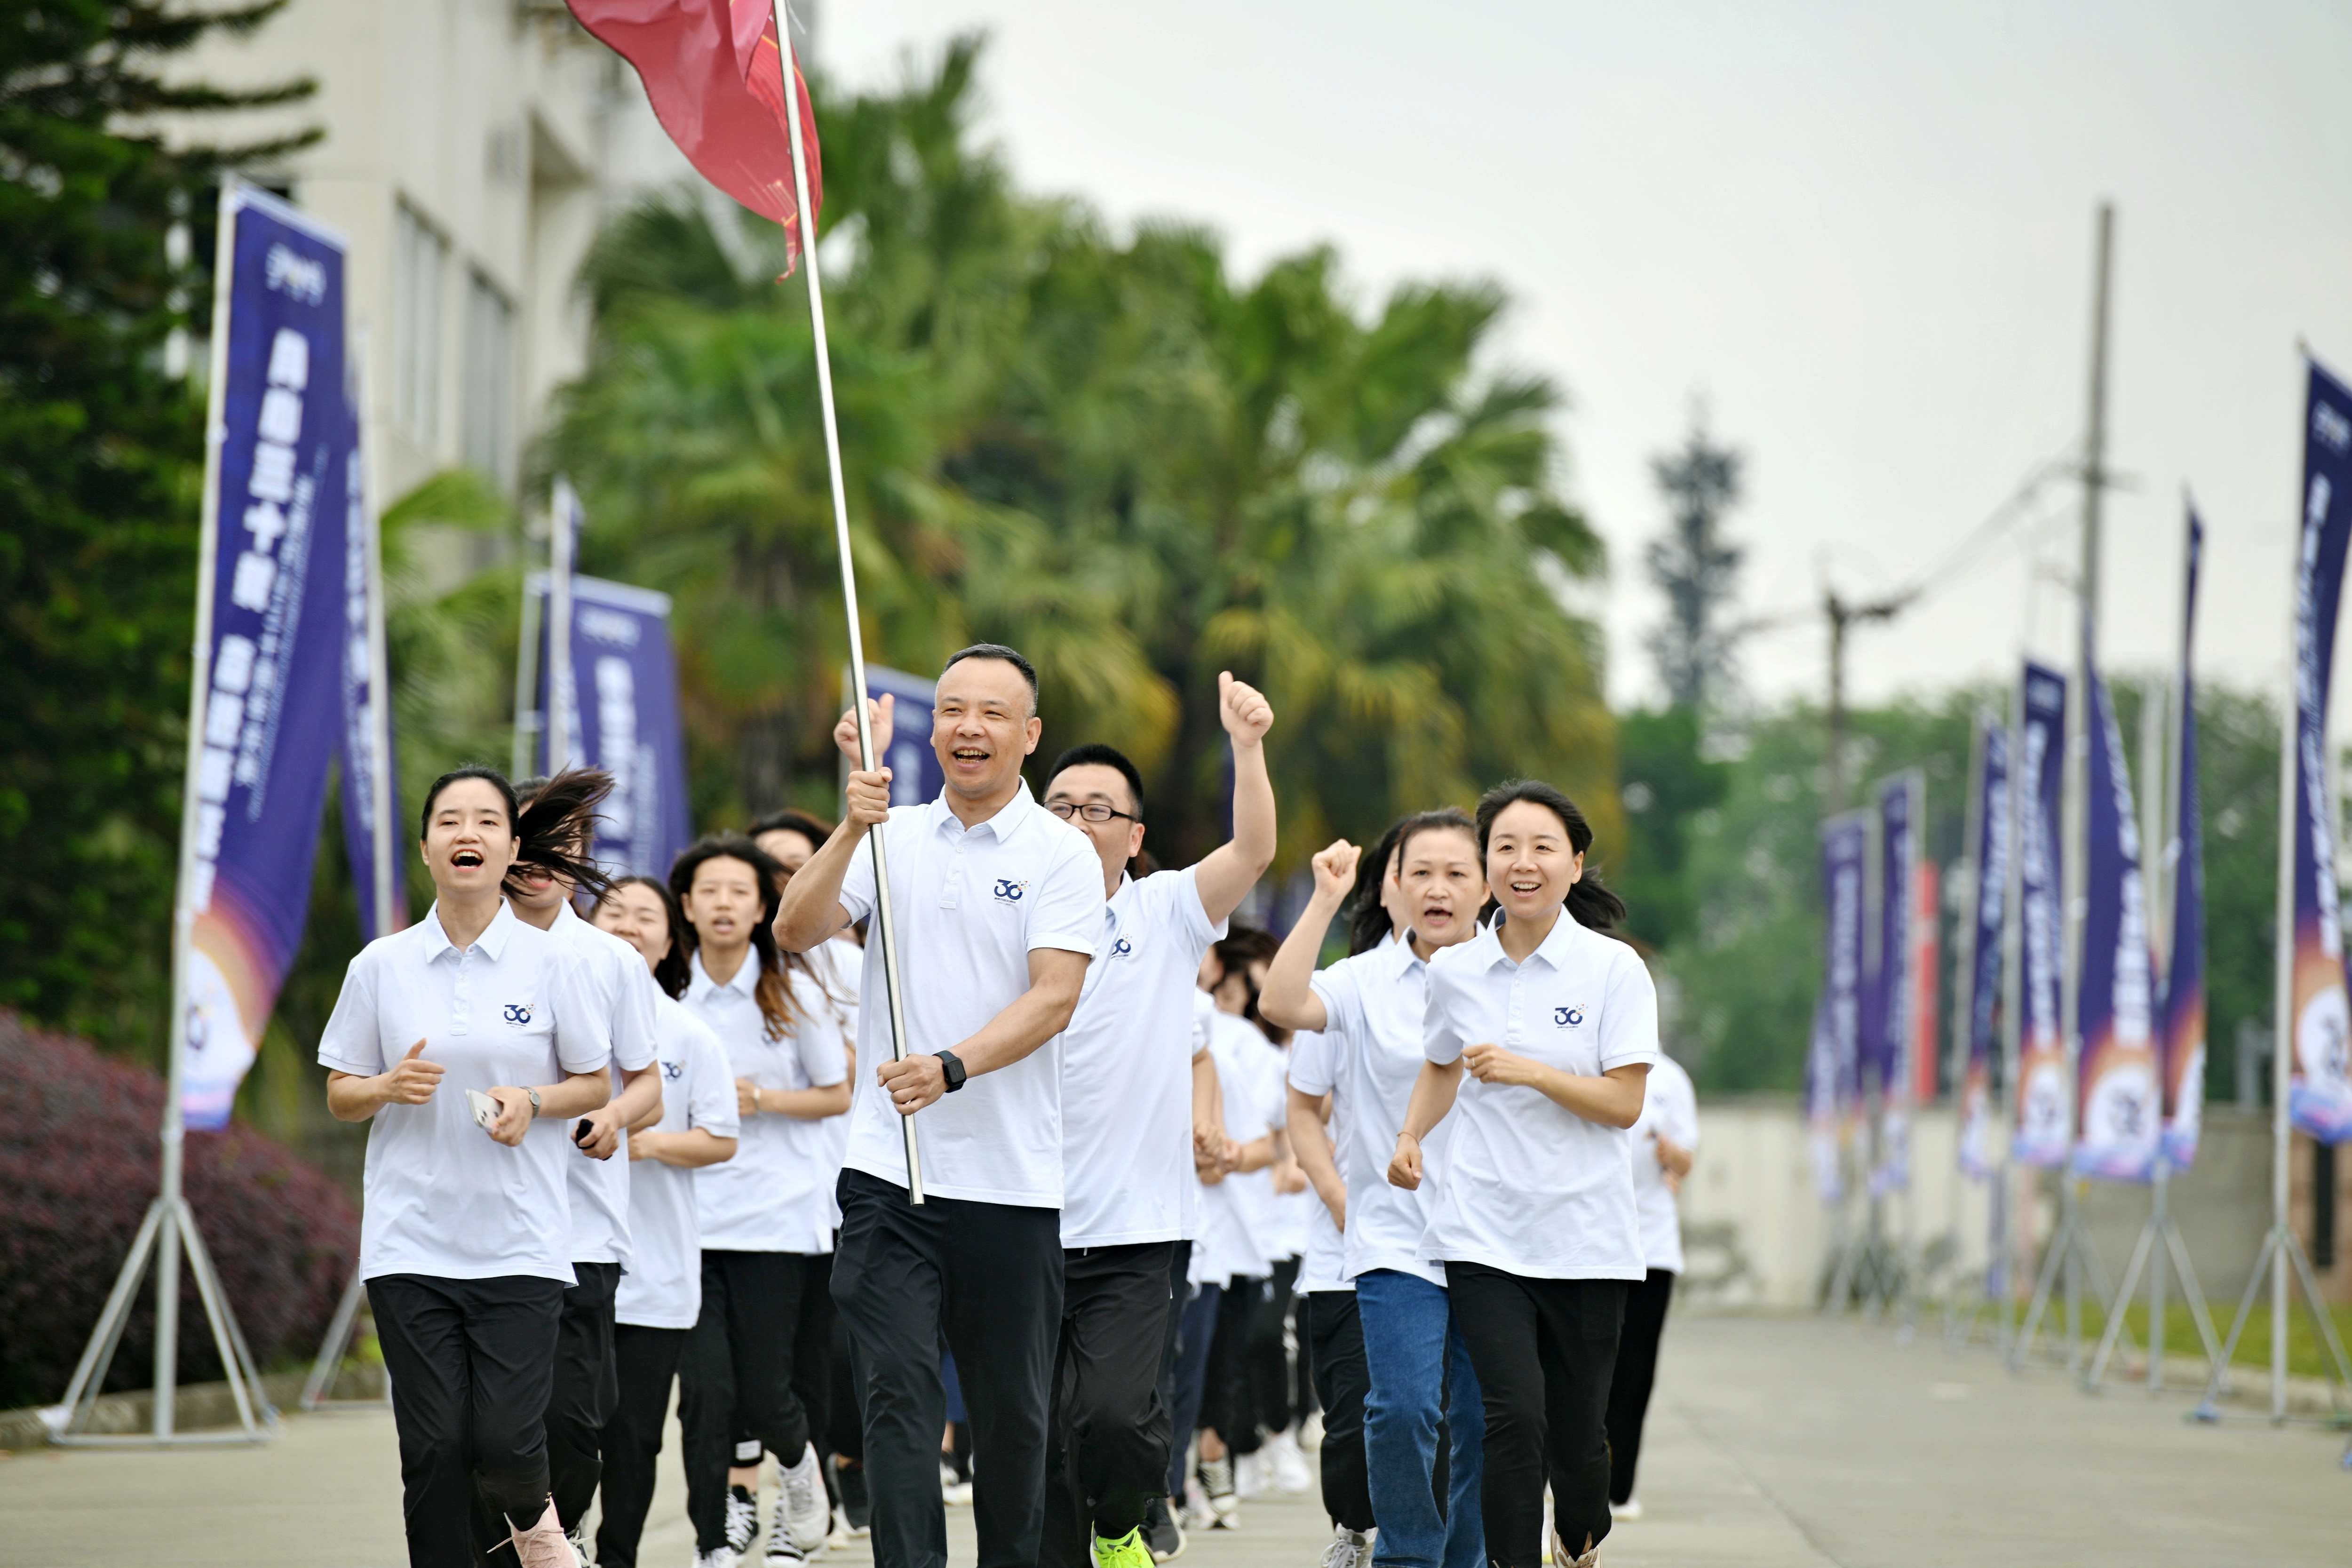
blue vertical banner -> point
(271, 661)
(2115, 1079)
(2319, 1095)
(625, 719)
(1833, 1075)
(2182, 1036)
(916, 777)
(1988, 921)
(367, 692)
(1888, 1080)
(2044, 1101)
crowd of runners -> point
(1203, 1217)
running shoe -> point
(953, 1489)
(544, 1544)
(1626, 1513)
(1348, 1549)
(1562, 1558)
(1162, 1532)
(582, 1557)
(1217, 1486)
(743, 1520)
(802, 1515)
(1310, 1432)
(1249, 1474)
(782, 1552)
(1285, 1466)
(856, 1511)
(1197, 1515)
(1128, 1551)
(716, 1557)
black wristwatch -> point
(951, 1065)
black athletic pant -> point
(1226, 1407)
(990, 1277)
(587, 1386)
(813, 1352)
(1273, 1401)
(736, 1377)
(1637, 1366)
(1544, 1351)
(647, 1361)
(470, 1362)
(1107, 1443)
(1334, 1352)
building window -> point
(420, 257)
(490, 380)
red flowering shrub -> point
(78, 1165)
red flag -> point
(711, 68)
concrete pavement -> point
(1773, 1443)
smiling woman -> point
(468, 1038)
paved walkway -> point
(1773, 1443)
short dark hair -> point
(997, 650)
(792, 819)
(1094, 754)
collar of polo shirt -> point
(1552, 950)
(746, 978)
(493, 940)
(1008, 820)
(1399, 954)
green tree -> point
(100, 463)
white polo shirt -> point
(772, 1196)
(1228, 1247)
(1669, 1105)
(1127, 1069)
(617, 976)
(970, 905)
(442, 1198)
(663, 1288)
(1532, 1188)
(1374, 1005)
(1320, 1268)
(836, 965)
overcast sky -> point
(1862, 232)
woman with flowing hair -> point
(766, 1215)
(470, 1039)
(1540, 1034)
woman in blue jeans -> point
(1369, 1006)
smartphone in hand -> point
(484, 1108)
(581, 1132)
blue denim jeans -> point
(1420, 1373)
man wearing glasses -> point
(1136, 1085)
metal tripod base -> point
(2158, 1230)
(2280, 1239)
(169, 1227)
(324, 1372)
(2070, 1250)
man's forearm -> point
(1035, 1016)
(809, 909)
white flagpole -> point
(563, 508)
(884, 931)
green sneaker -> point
(1128, 1551)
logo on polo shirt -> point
(1121, 948)
(1568, 1017)
(1009, 891)
(673, 1071)
(517, 1013)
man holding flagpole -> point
(998, 909)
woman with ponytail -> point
(470, 1039)
(765, 1214)
(1535, 1221)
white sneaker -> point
(742, 1521)
(1310, 1433)
(1249, 1474)
(1561, 1558)
(804, 1516)
(1625, 1512)
(1348, 1549)
(1217, 1482)
(718, 1557)
(956, 1492)
(1196, 1515)
(1285, 1466)
(582, 1558)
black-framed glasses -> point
(1093, 811)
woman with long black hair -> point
(1370, 1008)
(470, 1039)
(661, 1295)
(766, 1218)
(1535, 1221)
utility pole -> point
(1843, 615)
